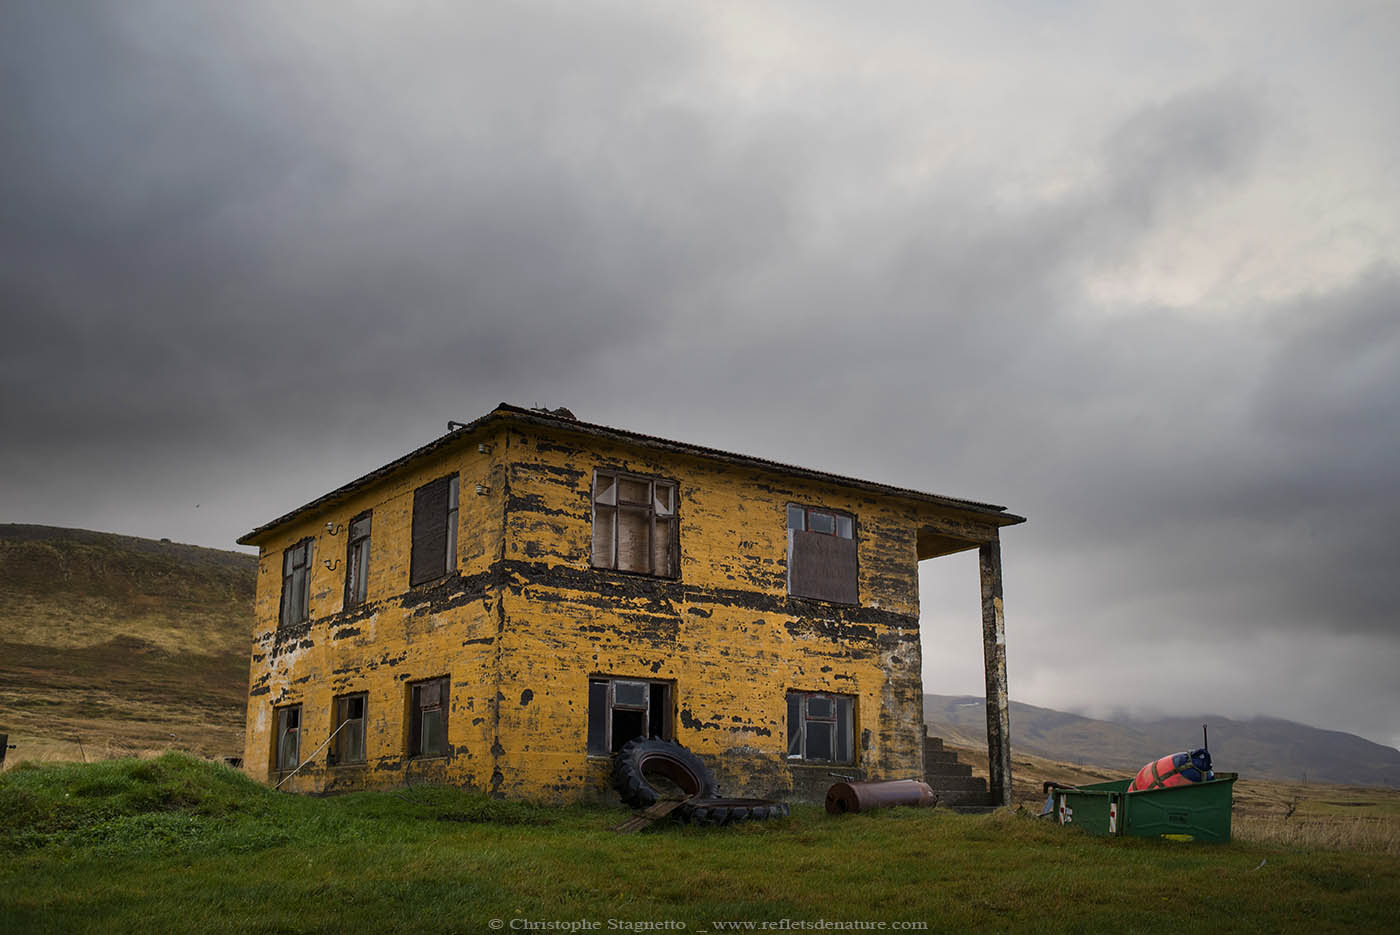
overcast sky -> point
(1131, 270)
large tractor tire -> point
(730, 811)
(659, 759)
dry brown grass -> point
(1366, 834)
(111, 645)
(36, 748)
(1319, 816)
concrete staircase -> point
(954, 783)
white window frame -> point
(661, 503)
(842, 721)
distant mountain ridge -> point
(1263, 747)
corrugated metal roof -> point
(508, 413)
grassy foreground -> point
(181, 845)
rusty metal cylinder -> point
(846, 797)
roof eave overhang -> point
(981, 512)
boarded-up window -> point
(427, 717)
(348, 724)
(296, 583)
(821, 727)
(620, 710)
(822, 555)
(634, 524)
(357, 561)
(287, 750)
(434, 531)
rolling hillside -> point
(112, 644)
(1263, 747)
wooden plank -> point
(645, 818)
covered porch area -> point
(940, 536)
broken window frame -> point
(426, 562)
(841, 722)
(346, 739)
(842, 527)
(427, 698)
(657, 711)
(296, 583)
(286, 721)
(799, 519)
(357, 538)
(609, 506)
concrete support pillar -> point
(994, 660)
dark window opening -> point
(634, 524)
(287, 749)
(348, 723)
(357, 561)
(627, 725)
(821, 727)
(427, 718)
(656, 717)
(296, 583)
(620, 710)
(822, 555)
(434, 551)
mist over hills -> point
(1260, 747)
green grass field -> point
(182, 845)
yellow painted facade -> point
(525, 620)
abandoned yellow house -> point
(506, 606)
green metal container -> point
(1198, 811)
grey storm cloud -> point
(250, 252)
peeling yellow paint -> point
(524, 621)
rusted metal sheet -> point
(823, 567)
(994, 661)
(846, 797)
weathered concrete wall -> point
(397, 636)
(726, 633)
(526, 621)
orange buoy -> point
(1174, 769)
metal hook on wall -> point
(332, 528)
(331, 564)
